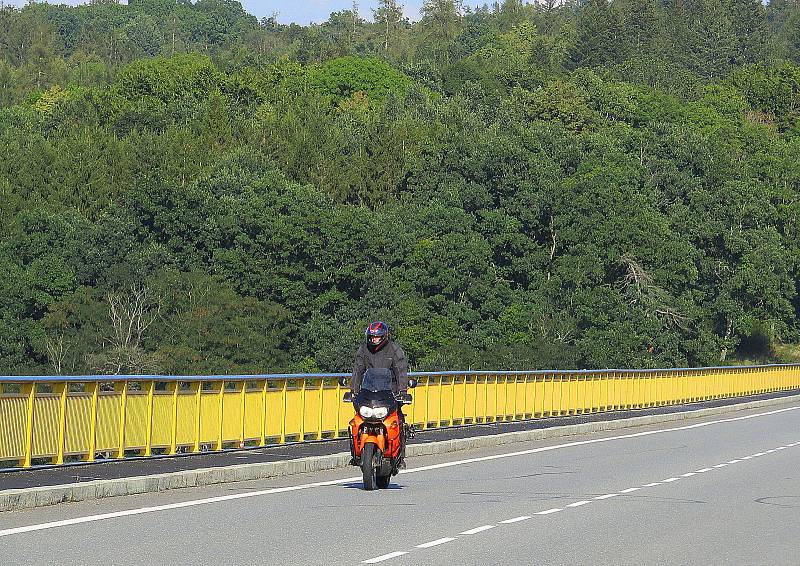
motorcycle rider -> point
(381, 352)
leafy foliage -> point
(187, 190)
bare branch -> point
(642, 290)
(131, 314)
(56, 349)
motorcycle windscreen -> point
(376, 379)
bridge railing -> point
(58, 419)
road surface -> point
(716, 490)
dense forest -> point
(185, 189)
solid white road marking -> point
(606, 496)
(733, 461)
(549, 511)
(436, 542)
(181, 505)
(384, 557)
(688, 474)
(247, 495)
(478, 530)
(655, 483)
(516, 519)
(702, 470)
(668, 480)
(720, 465)
(579, 503)
(759, 454)
(630, 490)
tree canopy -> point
(185, 189)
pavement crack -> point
(792, 501)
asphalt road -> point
(718, 490)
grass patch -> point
(787, 353)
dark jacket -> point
(391, 356)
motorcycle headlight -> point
(380, 412)
(365, 412)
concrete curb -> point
(15, 499)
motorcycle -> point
(377, 432)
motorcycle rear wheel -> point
(368, 468)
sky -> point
(298, 11)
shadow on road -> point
(359, 485)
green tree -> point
(440, 25)
(712, 40)
(596, 28)
(389, 17)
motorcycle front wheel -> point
(383, 481)
(368, 468)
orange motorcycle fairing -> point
(385, 435)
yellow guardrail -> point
(52, 420)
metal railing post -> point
(283, 412)
(30, 391)
(148, 447)
(221, 405)
(303, 411)
(263, 439)
(95, 387)
(243, 408)
(61, 389)
(121, 386)
(173, 440)
(321, 407)
(198, 403)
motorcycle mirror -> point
(412, 382)
(344, 381)
(348, 397)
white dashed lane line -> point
(477, 530)
(384, 557)
(580, 503)
(517, 519)
(606, 496)
(549, 511)
(436, 542)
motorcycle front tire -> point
(383, 481)
(368, 468)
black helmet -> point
(377, 330)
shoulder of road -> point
(38, 487)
